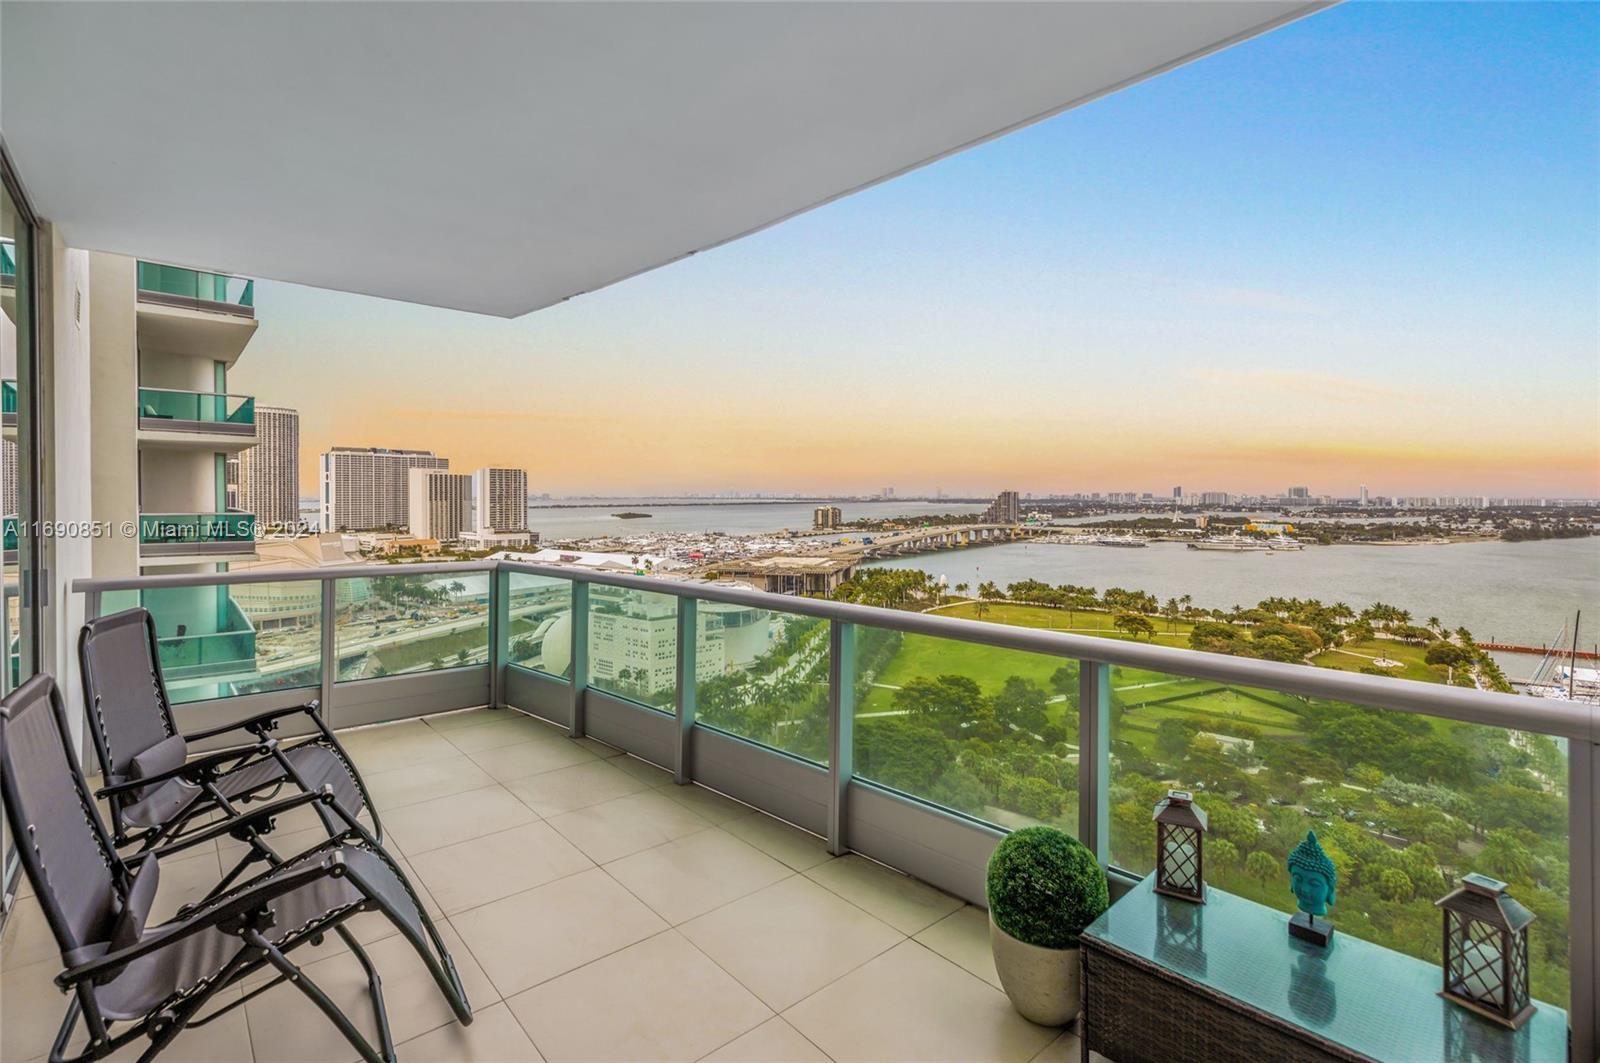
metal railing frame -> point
(1578, 724)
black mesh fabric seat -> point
(130, 979)
(156, 790)
(151, 981)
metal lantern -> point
(1180, 838)
(1486, 951)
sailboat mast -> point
(1572, 668)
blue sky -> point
(1362, 248)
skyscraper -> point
(1005, 509)
(1177, 494)
(1363, 495)
(365, 488)
(269, 472)
(438, 503)
(502, 500)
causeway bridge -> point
(927, 540)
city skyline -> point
(1323, 256)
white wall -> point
(72, 446)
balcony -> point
(194, 314)
(770, 847)
(185, 536)
(195, 289)
(196, 419)
(8, 408)
(227, 651)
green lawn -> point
(922, 655)
(1078, 622)
(1353, 656)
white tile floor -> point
(598, 912)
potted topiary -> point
(1045, 886)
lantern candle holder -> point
(1486, 951)
(1180, 847)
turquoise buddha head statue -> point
(1312, 876)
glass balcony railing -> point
(10, 533)
(227, 412)
(8, 397)
(394, 625)
(200, 530)
(181, 286)
(202, 633)
(919, 740)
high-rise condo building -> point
(269, 472)
(502, 500)
(162, 425)
(826, 518)
(1300, 492)
(1005, 509)
(500, 513)
(364, 488)
(439, 503)
(1364, 496)
(1177, 494)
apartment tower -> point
(269, 472)
(439, 504)
(365, 488)
(502, 500)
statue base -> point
(1310, 928)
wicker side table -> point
(1167, 981)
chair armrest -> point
(238, 905)
(258, 724)
(201, 766)
(233, 825)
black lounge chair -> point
(156, 793)
(157, 979)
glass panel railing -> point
(166, 529)
(1404, 804)
(392, 625)
(169, 405)
(987, 732)
(196, 284)
(540, 611)
(8, 396)
(763, 675)
(11, 526)
(225, 641)
(633, 645)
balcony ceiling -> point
(499, 158)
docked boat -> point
(1121, 540)
(1235, 543)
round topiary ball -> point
(1045, 886)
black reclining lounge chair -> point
(155, 791)
(157, 979)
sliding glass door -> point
(19, 451)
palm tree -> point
(962, 588)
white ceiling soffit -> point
(501, 157)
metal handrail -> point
(195, 391)
(1577, 723)
(1543, 716)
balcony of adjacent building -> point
(207, 421)
(8, 409)
(194, 312)
(186, 538)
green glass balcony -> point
(164, 409)
(230, 649)
(11, 534)
(8, 397)
(168, 534)
(197, 289)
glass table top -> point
(1362, 996)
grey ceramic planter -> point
(1045, 985)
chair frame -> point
(204, 771)
(242, 911)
